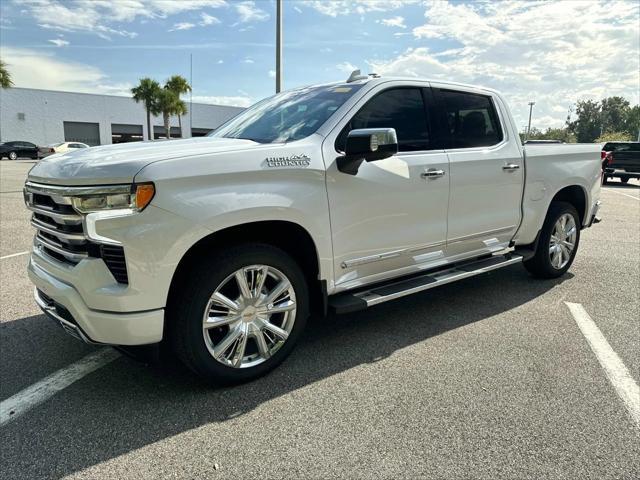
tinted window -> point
(621, 147)
(472, 120)
(400, 108)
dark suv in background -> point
(15, 150)
(620, 160)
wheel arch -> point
(576, 195)
(290, 237)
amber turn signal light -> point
(144, 194)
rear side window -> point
(622, 147)
(471, 119)
(399, 108)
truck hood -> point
(113, 164)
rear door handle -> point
(432, 173)
(510, 167)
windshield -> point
(287, 116)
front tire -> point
(624, 180)
(558, 242)
(239, 314)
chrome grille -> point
(59, 230)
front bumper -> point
(62, 303)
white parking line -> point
(620, 193)
(618, 374)
(23, 401)
(14, 255)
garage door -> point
(84, 132)
(122, 133)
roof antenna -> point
(355, 76)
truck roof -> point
(374, 79)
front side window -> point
(399, 108)
(288, 116)
(471, 119)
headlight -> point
(116, 197)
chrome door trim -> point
(371, 258)
(482, 234)
(386, 255)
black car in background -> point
(620, 160)
(15, 150)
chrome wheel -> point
(563, 241)
(13, 156)
(249, 316)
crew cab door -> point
(486, 171)
(390, 218)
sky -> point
(550, 52)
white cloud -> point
(220, 62)
(32, 69)
(248, 12)
(553, 53)
(334, 8)
(248, 60)
(58, 42)
(237, 101)
(346, 67)
(182, 26)
(272, 74)
(99, 17)
(207, 19)
(397, 21)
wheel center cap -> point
(248, 314)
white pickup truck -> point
(332, 197)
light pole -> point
(278, 46)
(531, 104)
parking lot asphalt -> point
(485, 378)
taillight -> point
(603, 154)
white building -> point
(44, 117)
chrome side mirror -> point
(367, 144)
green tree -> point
(168, 104)
(5, 76)
(588, 126)
(614, 112)
(179, 85)
(632, 123)
(562, 134)
(614, 137)
(147, 91)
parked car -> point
(61, 148)
(620, 160)
(332, 197)
(18, 149)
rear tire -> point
(243, 344)
(624, 180)
(557, 245)
(13, 156)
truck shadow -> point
(126, 405)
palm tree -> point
(179, 85)
(147, 92)
(5, 76)
(168, 103)
(181, 109)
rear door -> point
(487, 172)
(389, 218)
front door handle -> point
(432, 173)
(510, 167)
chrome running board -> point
(359, 300)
